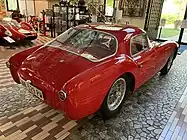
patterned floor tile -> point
(149, 116)
(45, 122)
(35, 120)
(178, 124)
(5, 76)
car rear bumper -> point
(47, 90)
(13, 71)
(51, 97)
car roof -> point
(115, 29)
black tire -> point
(168, 64)
(107, 113)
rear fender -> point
(2, 31)
(86, 92)
(171, 46)
(16, 60)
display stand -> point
(43, 23)
(66, 15)
(60, 19)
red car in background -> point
(12, 31)
(91, 68)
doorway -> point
(109, 7)
(173, 13)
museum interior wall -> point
(27, 7)
(134, 21)
(34, 7)
(138, 18)
(41, 5)
(3, 10)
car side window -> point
(139, 43)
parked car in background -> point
(91, 68)
(12, 31)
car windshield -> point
(10, 23)
(91, 44)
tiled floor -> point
(135, 121)
(5, 76)
(160, 110)
(36, 123)
(176, 127)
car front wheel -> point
(114, 99)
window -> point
(91, 44)
(109, 7)
(12, 5)
(139, 43)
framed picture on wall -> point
(12, 5)
(133, 8)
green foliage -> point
(170, 18)
(178, 2)
(110, 3)
(168, 32)
(73, 1)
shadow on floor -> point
(15, 45)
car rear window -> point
(91, 44)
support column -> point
(153, 16)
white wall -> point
(41, 5)
(27, 7)
(34, 7)
(30, 7)
(22, 7)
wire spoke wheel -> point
(116, 94)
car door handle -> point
(143, 62)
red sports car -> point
(91, 68)
(11, 30)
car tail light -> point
(8, 64)
(62, 95)
(8, 33)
